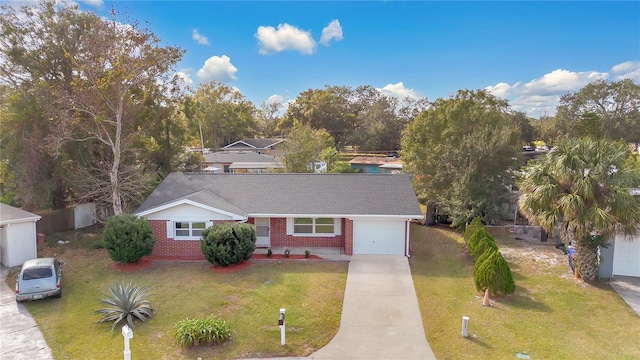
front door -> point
(262, 232)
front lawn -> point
(250, 299)
(550, 316)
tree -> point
(582, 187)
(463, 153)
(222, 113)
(475, 224)
(267, 118)
(37, 47)
(102, 108)
(617, 103)
(330, 109)
(492, 274)
(304, 146)
(87, 80)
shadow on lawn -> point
(522, 299)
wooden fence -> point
(54, 221)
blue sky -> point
(527, 52)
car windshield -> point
(36, 273)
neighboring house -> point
(240, 162)
(622, 257)
(265, 146)
(361, 214)
(376, 165)
(18, 238)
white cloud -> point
(185, 77)
(398, 90)
(627, 70)
(94, 3)
(217, 68)
(199, 38)
(540, 96)
(285, 37)
(333, 31)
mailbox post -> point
(128, 334)
(281, 323)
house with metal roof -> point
(376, 164)
(359, 213)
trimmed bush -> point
(483, 245)
(208, 331)
(128, 238)
(228, 244)
(475, 224)
(476, 237)
(307, 254)
(126, 302)
(287, 252)
(269, 253)
(493, 273)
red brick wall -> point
(347, 227)
(279, 237)
(174, 248)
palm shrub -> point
(492, 272)
(476, 237)
(207, 331)
(127, 302)
(228, 244)
(483, 245)
(475, 224)
(128, 238)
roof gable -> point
(292, 194)
(254, 143)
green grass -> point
(550, 316)
(250, 299)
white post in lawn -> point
(281, 323)
(128, 334)
(465, 326)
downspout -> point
(406, 238)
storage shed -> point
(18, 238)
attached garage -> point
(626, 257)
(374, 237)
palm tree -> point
(583, 187)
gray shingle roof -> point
(291, 194)
(10, 214)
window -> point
(313, 226)
(189, 229)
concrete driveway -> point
(380, 314)
(629, 289)
(20, 338)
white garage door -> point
(626, 257)
(378, 237)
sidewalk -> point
(20, 338)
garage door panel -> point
(626, 257)
(378, 237)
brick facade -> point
(190, 249)
(168, 247)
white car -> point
(39, 278)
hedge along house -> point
(359, 213)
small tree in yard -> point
(492, 275)
(476, 237)
(228, 243)
(128, 238)
(483, 245)
(475, 224)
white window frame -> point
(172, 229)
(336, 227)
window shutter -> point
(289, 226)
(337, 226)
(170, 233)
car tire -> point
(59, 295)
